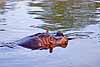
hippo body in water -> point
(30, 42)
(44, 41)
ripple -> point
(2, 30)
(79, 34)
(2, 20)
(3, 24)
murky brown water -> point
(76, 18)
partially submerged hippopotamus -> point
(44, 41)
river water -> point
(76, 18)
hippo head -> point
(61, 40)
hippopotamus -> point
(41, 41)
(44, 41)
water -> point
(76, 18)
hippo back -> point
(30, 42)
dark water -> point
(76, 18)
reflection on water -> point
(57, 14)
(26, 17)
(62, 15)
(2, 3)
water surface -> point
(76, 18)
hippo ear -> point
(59, 33)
